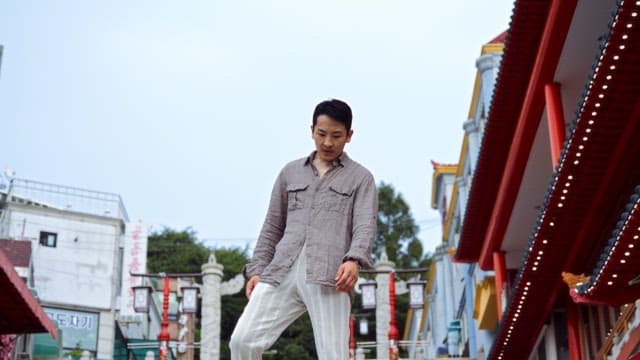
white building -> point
(83, 248)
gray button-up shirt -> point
(335, 215)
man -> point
(318, 231)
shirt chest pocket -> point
(296, 194)
(338, 198)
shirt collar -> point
(339, 161)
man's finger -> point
(249, 289)
(251, 284)
(339, 273)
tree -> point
(172, 251)
(397, 230)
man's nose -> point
(328, 142)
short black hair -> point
(336, 109)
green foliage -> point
(233, 260)
(397, 230)
(296, 341)
(172, 251)
(75, 353)
(294, 351)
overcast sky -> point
(189, 109)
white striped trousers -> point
(272, 308)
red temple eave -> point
(616, 278)
(522, 41)
(595, 160)
(20, 312)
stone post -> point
(149, 355)
(210, 339)
(383, 309)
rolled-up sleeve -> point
(365, 215)
(272, 230)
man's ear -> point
(312, 129)
(349, 135)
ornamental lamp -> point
(189, 299)
(416, 294)
(141, 298)
(364, 326)
(368, 294)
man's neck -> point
(321, 165)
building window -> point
(48, 239)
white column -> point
(106, 335)
(210, 335)
(473, 137)
(441, 323)
(462, 198)
(383, 309)
(488, 66)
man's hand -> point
(251, 284)
(347, 276)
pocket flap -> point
(342, 190)
(297, 187)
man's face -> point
(330, 137)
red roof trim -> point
(611, 281)
(499, 39)
(551, 45)
(521, 44)
(436, 164)
(20, 312)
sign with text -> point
(79, 328)
(134, 261)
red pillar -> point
(500, 270)
(164, 337)
(393, 328)
(573, 330)
(555, 120)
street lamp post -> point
(393, 328)
(141, 304)
(164, 336)
(352, 339)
